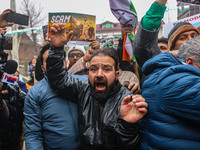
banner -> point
(197, 2)
(83, 26)
(194, 20)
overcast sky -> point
(99, 8)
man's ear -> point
(117, 74)
(190, 61)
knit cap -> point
(80, 48)
(177, 30)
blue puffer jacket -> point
(172, 91)
(51, 118)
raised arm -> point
(65, 86)
(145, 45)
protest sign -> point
(194, 20)
(83, 26)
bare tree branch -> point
(28, 7)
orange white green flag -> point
(126, 14)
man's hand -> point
(88, 54)
(95, 45)
(125, 29)
(2, 30)
(59, 37)
(3, 22)
(134, 88)
(3, 91)
(162, 2)
(133, 111)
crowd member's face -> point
(102, 75)
(183, 38)
(74, 56)
(163, 47)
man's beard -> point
(102, 96)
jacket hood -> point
(160, 61)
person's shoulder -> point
(42, 84)
(177, 79)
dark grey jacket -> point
(145, 45)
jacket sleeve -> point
(180, 97)
(128, 136)
(4, 113)
(127, 133)
(67, 87)
(145, 45)
(33, 122)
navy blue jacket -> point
(51, 118)
(172, 91)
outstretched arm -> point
(65, 86)
(145, 45)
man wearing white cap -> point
(74, 54)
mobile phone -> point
(17, 18)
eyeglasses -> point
(77, 55)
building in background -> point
(186, 10)
(110, 31)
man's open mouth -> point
(100, 86)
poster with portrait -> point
(197, 2)
(83, 26)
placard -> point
(83, 26)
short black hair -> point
(46, 47)
(110, 52)
(38, 70)
(163, 40)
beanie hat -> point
(198, 28)
(177, 30)
(80, 48)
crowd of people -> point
(90, 98)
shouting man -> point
(108, 113)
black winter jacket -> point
(100, 124)
(11, 131)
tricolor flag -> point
(128, 48)
(126, 14)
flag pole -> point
(136, 70)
